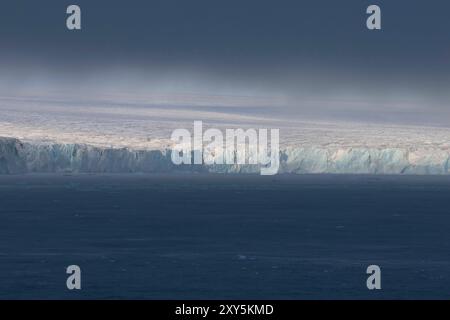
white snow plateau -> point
(52, 136)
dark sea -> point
(224, 236)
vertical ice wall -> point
(20, 157)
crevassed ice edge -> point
(25, 157)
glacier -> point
(19, 157)
(44, 135)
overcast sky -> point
(315, 55)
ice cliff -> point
(27, 157)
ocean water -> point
(224, 237)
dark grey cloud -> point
(304, 49)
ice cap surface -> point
(39, 135)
